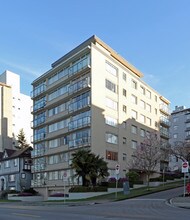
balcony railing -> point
(81, 142)
(38, 121)
(164, 121)
(38, 106)
(80, 123)
(38, 90)
(75, 106)
(76, 87)
(38, 137)
(165, 109)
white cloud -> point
(21, 67)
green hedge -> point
(88, 189)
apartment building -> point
(15, 111)
(93, 98)
(179, 131)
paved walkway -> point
(183, 202)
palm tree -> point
(89, 166)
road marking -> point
(26, 215)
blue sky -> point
(153, 35)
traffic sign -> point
(185, 167)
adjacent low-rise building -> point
(15, 169)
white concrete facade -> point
(92, 97)
(20, 116)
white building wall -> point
(21, 105)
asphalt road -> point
(149, 207)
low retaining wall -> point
(85, 195)
(25, 198)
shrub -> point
(88, 189)
(58, 194)
(25, 194)
(133, 177)
(31, 190)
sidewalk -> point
(182, 202)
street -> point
(153, 206)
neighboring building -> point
(15, 169)
(15, 111)
(92, 97)
(179, 131)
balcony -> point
(38, 153)
(79, 65)
(38, 121)
(82, 84)
(38, 90)
(164, 121)
(164, 133)
(164, 109)
(83, 103)
(80, 123)
(38, 137)
(81, 142)
(38, 106)
(38, 183)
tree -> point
(22, 143)
(147, 156)
(181, 150)
(89, 166)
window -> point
(124, 124)
(142, 132)
(156, 111)
(134, 144)
(124, 92)
(15, 162)
(124, 76)
(134, 84)
(23, 175)
(175, 119)
(110, 155)
(134, 129)
(156, 98)
(7, 163)
(111, 86)
(111, 121)
(148, 94)
(142, 118)
(142, 90)
(175, 127)
(124, 108)
(142, 104)
(12, 178)
(148, 121)
(111, 138)
(188, 117)
(134, 114)
(187, 133)
(188, 125)
(133, 99)
(148, 107)
(111, 68)
(124, 156)
(124, 140)
(175, 136)
(111, 104)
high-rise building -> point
(179, 132)
(93, 98)
(15, 111)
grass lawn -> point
(133, 193)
